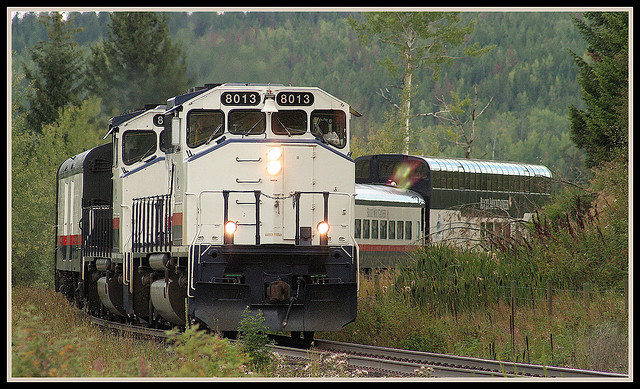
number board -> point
(294, 98)
(240, 98)
(158, 120)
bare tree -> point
(460, 124)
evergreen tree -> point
(602, 129)
(137, 64)
(57, 79)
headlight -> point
(274, 154)
(274, 167)
(323, 228)
(230, 228)
(274, 164)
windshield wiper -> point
(252, 127)
(283, 126)
(210, 138)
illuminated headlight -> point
(274, 165)
(274, 154)
(323, 228)
(230, 228)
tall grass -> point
(445, 299)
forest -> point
(545, 83)
(529, 76)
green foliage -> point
(198, 353)
(57, 79)
(33, 355)
(137, 64)
(602, 129)
(35, 159)
(418, 40)
(583, 235)
(446, 279)
(528, 73)
(254, 340)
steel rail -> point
(450, 365)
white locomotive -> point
(229, 196)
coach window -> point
(136, 145)
(330, 126)
(246, 122)
(407, 230)
(204, 126)
(400, 234)
(392, 229)
(365, 228)
(363, 168)
(289, 122)
(357, 225)
(374, 229)
(383, 229)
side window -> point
(136, 145)
(331, 126)
(289, 122)
(374, 229)
(383, 229)
(165, 142)
(246, 122)
(363, 168)
(407, 230)
(392, 229)
(365, 229)
(357, 226)
(204, 126)
(400, 234)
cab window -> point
(330, 126)
(203, 126)
(289, 122)
(246, 122)
(137, 145)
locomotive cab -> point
(263, 194)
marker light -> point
(323, 227)
(230, 228)
(274, 165)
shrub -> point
(197, 353)
(254, 341)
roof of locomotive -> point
(176, 101)
(76, 164)
(388, 194)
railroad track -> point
(441, 365)
(390, 362)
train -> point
(243, 197)
(228, 197)
(408, 201)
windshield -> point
(289, 122)
(246, 122)
(204, 126)
(136, 145)
(330, 126)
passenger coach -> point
(403, 201)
